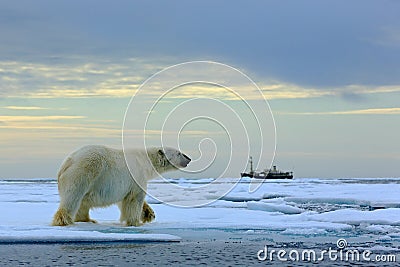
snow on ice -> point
(299, 207)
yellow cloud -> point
(363, 89)
(24, 108)
(22, 130)
(37, 118)
(101, 79)
(281, 90)
(122, 79)
(377, 111)
(370, 111)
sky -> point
(330, 71)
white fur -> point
(97, 176)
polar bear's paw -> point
(148, 214)
(62, 218)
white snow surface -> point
(297, 207)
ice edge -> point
(137, 238)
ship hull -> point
(268, 176)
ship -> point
(273, 173)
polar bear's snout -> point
(185, 160)
(176, 158)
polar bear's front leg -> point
(131, 208)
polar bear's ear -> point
(161, 152)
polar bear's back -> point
(93, 162)
(97, 161)
(89, 159)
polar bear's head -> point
(171, 158)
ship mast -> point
(251, 164)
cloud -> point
(59, 92)
(37, 118)
(370, 111)
(365, 89)
(121, 79)
(76, 79)
(24, 108)
(282, 90)
(18, 131)
(374, 111)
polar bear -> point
(98, 176)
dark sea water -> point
(200, 253)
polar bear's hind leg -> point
(66, 211)
(70, 201)
(74, 182)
